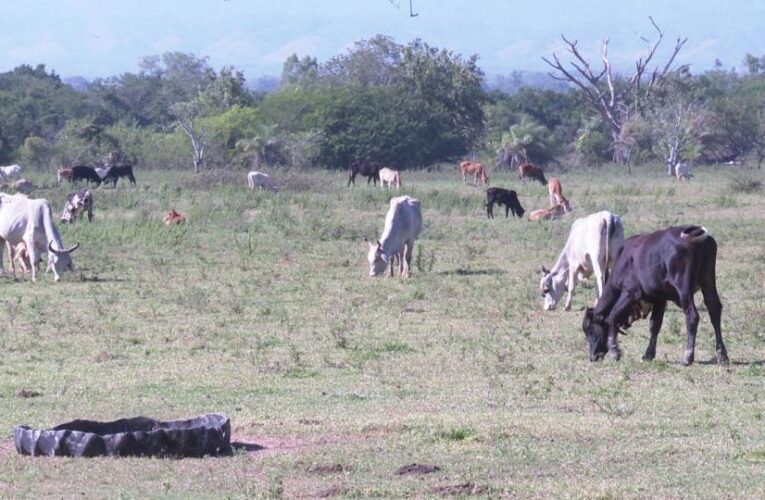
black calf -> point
(502, 196)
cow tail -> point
(609, 228)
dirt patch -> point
(28, 393)
(417, 469)
(459, 489)
(331, 492)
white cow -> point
(101, 171)
(402, 226)
(390, 177)
(592, 246)
(259, 179)
(683, 171)
(31, 221)
(10, 170)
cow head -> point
(550, 289)
(60, 260)
(378, 261)
(596, 331)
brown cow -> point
(532, 171)
(173, 218)
(475, 168)
(551, 213)
(556, 195)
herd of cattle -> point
(633, 277)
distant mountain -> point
(516, 80)
(77, 83)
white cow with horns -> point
(402, 226)
(30, 221)
(592, 247)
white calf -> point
(259, 179)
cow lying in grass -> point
(173, 218)
(652, 269)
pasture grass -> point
(260, 307)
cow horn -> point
(73, 248)
(50, 247)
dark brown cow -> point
(502, 196)
(531, 171)
(650, 270)
(369, 169)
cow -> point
(549, 213)
(75, 201)
(369, 169)
(683, 171)
(390, 177)
(101, 171)
(23, 185)
(117, 171)
(10, 170)
(527, 170)
(402, 226)
(477, 169)
(173, 218)
(506, 197)
(591, 247)
(556, 195)
(30, 221)
(83, 172)
(652, 269)
(64, 173)
(259, 179)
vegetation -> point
(260, 307)
(410, 106)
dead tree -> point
(604, 96)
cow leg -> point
(714, 306)
(657, 317)
(507, 211)
(408, 258)
(617, 311)
(570, 292)
(598, 272)
(351, 179)
(490, 210)
(692, 325)
(10, 257)
(34, 256)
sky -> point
(102, 38)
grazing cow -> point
(502, 196)
(82, 172)
(683, 171)
(556, 195)
(650, 270)
(531, 171)
(75, 201)
(259, 179)
(10, 170)
(402, 226)
(117, 171)
(591, 247)
(390, 177)
(369, 169)
(477, 169)
(173, 218)
(64, 173)
(549, 213)
(30, 221)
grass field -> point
(260, 307)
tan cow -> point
(390, 177)
(475, 168)
(551, 213)
(173, 218)
(556, 195)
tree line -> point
(408, 105)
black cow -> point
(502, 196)
(114, 173)
(651, 269)
(81, 172)
(370, 169)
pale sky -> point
(100, 38)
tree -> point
(677, 126)
(188, 116)
(615, 99)
(300, 72)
